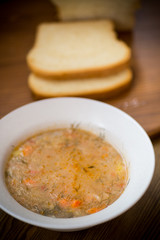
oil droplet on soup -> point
(66, 172)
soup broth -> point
(66, 172)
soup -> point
(67, 172)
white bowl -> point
(120, 130)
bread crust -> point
(80, 72)
(108, 91)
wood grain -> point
(19, 20)
(142, 101)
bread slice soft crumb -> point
(80, 87)
(76, 49)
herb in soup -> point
(66, 173)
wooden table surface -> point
(17, 30)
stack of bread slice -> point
(83, 58)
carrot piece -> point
(69, 203)
(76, 203)
(113, 174)
(93, 210)
(33, 172)
(105, 155)
(121, 185)
(27, 150)
(28, 181)
(96, 209)
(63, 202)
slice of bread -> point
(121, 12)
(77, 49)
(80, 87)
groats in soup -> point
(66, 173)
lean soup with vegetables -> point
(66, 172)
